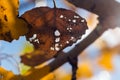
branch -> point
(63, 57)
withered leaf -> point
(108, 11)
(50, 31)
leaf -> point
(108, 11)
(8, 75)
(11, 26)
(36, 73)
(50, 31)
(84, 70)
(32, 74)
(50, 76)
(105, 59)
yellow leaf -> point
(8, 75)
(27, 48)
(84, 70)
(66, 77)
(105, 60)
(11, 26)
(24, 69)
(49, 77)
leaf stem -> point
(74, 63)
(54, 3)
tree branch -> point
(63, 57)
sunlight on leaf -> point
(49, 77)
(11, 26)
(27, 48)
(23, 69)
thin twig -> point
(54, 3)
(73, 62)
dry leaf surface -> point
(50, 31)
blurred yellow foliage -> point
(49, 77)
(67, 77)
(62, 74)
(53, 76)
(92, 20)
(84, 70)
(11, 26)
(105, 60)
(8, 75)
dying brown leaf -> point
(50, 31)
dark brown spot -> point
(1, 35)
(5, 18)
(8, 35)
(18, 2)
(42, 42)
(2, 8)
(0, 24)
